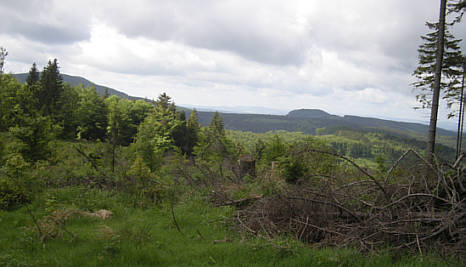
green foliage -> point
(143, 183)
(381, 163)
(33, 76)
(213, 145)
(320, 131)
(301, 161)
(154, 138)
(120, 125)
(67, 117)
(193, 132)
(451, 70)
(15, 183)
(216, 126)
(91, 115)
(26, 103)
(9, 107)
(32, 137)
(50, 90)
(147, 237)
(140, 109)
(274, 149)
(163, 130)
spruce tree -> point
(430, 70)
(33, 76)
(450, 84)
(51, 88)
(193, 122)
(216, 125)
(193, 130)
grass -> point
(137, 236)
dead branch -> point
(240, 202)
(408, 212)
(355, 165)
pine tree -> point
(33, 76)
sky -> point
(350, 57)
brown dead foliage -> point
(415, 206)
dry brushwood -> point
(102, 214)
(404, 209)
(53, 226)
(240, 202)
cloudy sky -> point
(344, 56)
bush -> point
(141, 182)
(15, 183)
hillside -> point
(308, 113)
(76, 80)
(327, 124)
(302, 120)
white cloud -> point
(346, 57)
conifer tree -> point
(51, 88)
(430, 78)
(191, 134)
(450, 84)
(33, 76)
(193, 122)
(216, 125)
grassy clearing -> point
(137, 236)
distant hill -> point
(301, 120)
(307, 121)
(308, 113)
(76, 80)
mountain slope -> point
(302, 120)
(76, 80)
(297, 120)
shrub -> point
(15, 183)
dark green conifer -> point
(216, 125)
(33, 76)
(51, 88)
(450, 85)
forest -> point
(89, 179)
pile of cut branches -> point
(415, 205)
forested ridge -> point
(304, 120)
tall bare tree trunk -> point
(437, 79)
(460, 127)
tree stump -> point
(247, 165)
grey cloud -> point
(236, 44)
(44, 22)
(249, 30)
